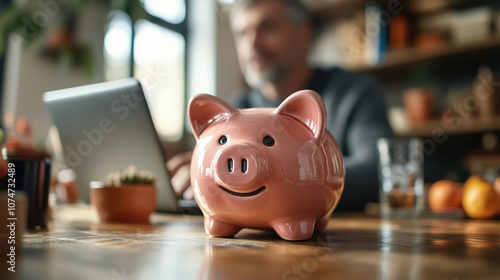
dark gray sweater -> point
(357, 117)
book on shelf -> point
(376, 34)
(399, 33)
(472, 25)
(341, 42)
(355, 41)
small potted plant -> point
(127, 196)
(3, 157)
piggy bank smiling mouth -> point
(253, 193)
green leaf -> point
(119, 4)
(17, 20)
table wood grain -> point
(354, 246)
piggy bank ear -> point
(307, 107)
(205, 109)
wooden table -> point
(76, 247)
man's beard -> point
(257, 79)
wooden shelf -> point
(459, 126)
(480, 162)
(328, 9)
(331, 9)
(325, 10)
(398, 60)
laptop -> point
(107, 127)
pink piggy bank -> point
(265, 168)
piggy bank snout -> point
(238, 166)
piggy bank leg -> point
(219, 229)
(321, 224)
(296, 229)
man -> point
(272, 40)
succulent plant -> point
(130, 176)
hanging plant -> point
(62, 47)
(12, 20)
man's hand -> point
(179, 167)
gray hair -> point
(296, 10)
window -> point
(117, 47)
(173, 11)
(153, 50)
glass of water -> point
(401, 175)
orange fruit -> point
(496, 187)
(480, 201)
(444, 195)
(471, 181)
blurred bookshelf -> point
(438, 63)
(330, 9)
(411, 57)
(437, 127)
(440, 44)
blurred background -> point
(438, 62)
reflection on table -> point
(75, 246)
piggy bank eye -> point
(268, 141)
(223, 140)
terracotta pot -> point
(61, 37)
(487, 93)
(419, 104)
(124, 204)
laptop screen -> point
(107, 127)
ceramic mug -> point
(32, 176)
